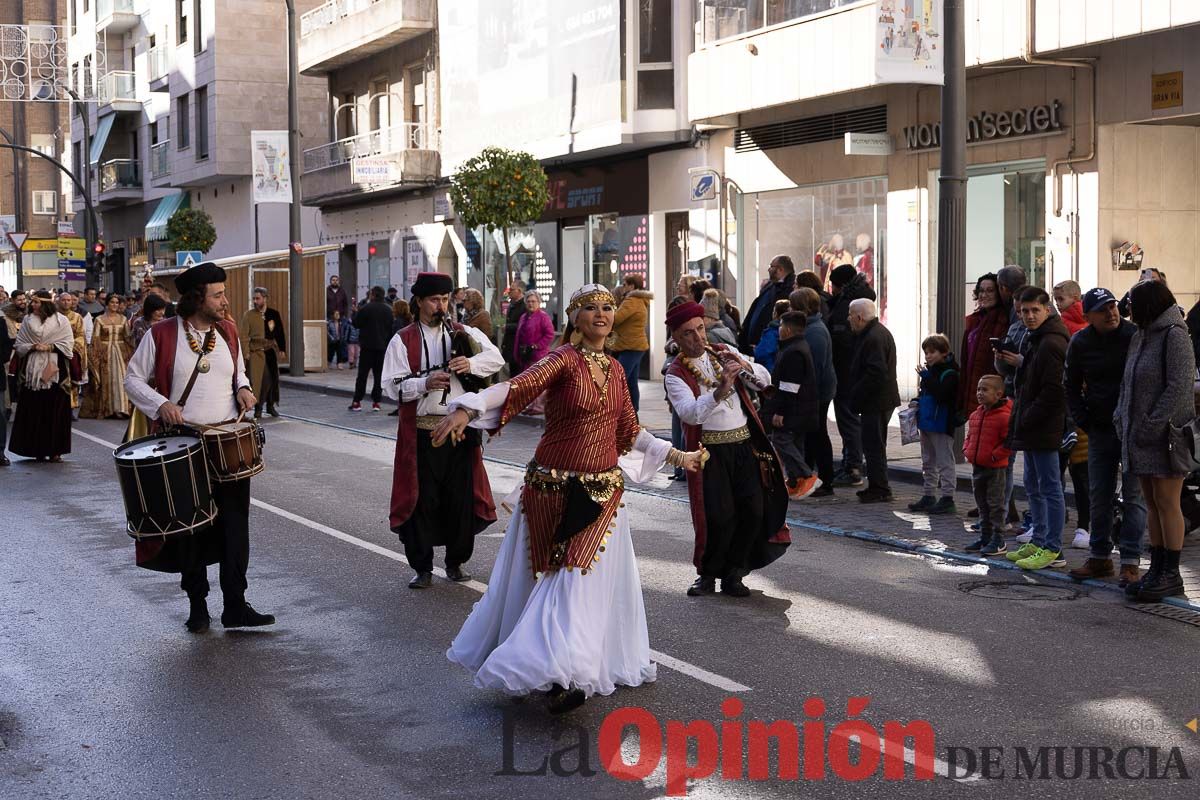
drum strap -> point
(191, 381)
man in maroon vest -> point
(739, 501)
(430, 484)
(201, 340)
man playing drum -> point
(200, 340)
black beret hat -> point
(199, 275)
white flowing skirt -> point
(576, 630)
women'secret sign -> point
(988, 126)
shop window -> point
(1006, 220)
(820, 228)
(534, 263)
(720, 19)
(619, 246)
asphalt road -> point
(102, 693)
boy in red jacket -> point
(984, 448)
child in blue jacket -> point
(937, 417)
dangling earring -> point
(576, 338)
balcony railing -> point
(118, 87)
(159, 61)
(120, 173)
(409, 135)
(160, 159)
(330, 13)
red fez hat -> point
(682, 313)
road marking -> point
(670, 662)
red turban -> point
(682, 313)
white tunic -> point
(566, 628)
(397, 372)
(705, 410)
(212, 399)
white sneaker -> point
(1025, 538)
(1082, 540)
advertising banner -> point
(271, 161)
(908, 41)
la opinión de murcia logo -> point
(737, 749)
(854, 749)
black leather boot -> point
(561, 700)
(1166, 582)
(198, 620)
(1156, 563)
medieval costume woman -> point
(112, 347)
(42, 425)
(563, 611)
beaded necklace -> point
(210, 344)
(704, 380)
(600, 360)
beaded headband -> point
(588, 293)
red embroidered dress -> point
(587, 429)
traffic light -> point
(96, 264)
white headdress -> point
(586, 294)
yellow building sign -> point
(40, 246)
(1166, 90)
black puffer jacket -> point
(1040, 408)
(839, 328)
(1095, 367)
(872, 381)
(795, 387)
(374, 323)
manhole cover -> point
(1002, 590)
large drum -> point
(234, 450)
(164, 481)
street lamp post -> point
(90, 224)
(18, 212)
(295, 265)
(952, 183)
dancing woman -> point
(563, 610)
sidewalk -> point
(904, 460)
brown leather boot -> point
(1093, 568)
(1129, 574)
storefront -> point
(594, 230)
(826, 203)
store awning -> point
(100, 138)
(156, 228)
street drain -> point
(1168, 612)
(1003, 590)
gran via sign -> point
(988, 126)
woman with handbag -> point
(535, 333)
(45, 342)
(1155, 403)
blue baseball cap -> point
(1095, 299)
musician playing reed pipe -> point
(425, 368)
(739, 500)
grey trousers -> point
(937, 463)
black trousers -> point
(733, 509)
(819, 448)
(874, 445)
(369, 360)
(445, 512)
(230, 538)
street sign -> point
(868, 144)
(188, 258)
(703, 183)
(72, 248)
(17, 239)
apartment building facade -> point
(376, 172)
(181, 84)
(1083, 137)
(31, 188)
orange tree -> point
(499, 189)
(191, 229)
